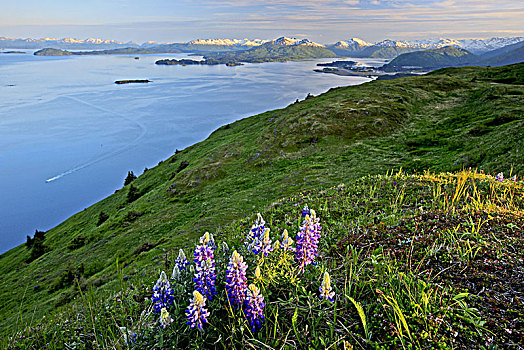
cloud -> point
(325, 20)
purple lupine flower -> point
(265, 246)
(196, 312)
(287, 242)
(236, 281)
(307, 241)
(305, 211)
(500, 177)
(255, 235)
(254, 307)
(205, 275)
(326, 292)
(162, 293)
(181, 260)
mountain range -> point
(390, 48)
(353, 47)
(451, 56)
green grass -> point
(445, 121)
(416, 261)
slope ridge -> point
(438, 121)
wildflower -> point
(255, 235)
(196, 312)
(207, 238)
(175, 275)
(326, 292)
(514, 178)
(165, 319)
(225, 247)
(254, 307)
(265, 246)
(236, 281)
(257, 274)
(181, 260)
(307, 241)
(287, 242)
(305, 211)
(276, 245)
(162, 293)
(500, 177)
(205, 275)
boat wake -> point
(113, 153)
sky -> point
(322, 21)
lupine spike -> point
(236, 281)
(205, 238)
(176, 273)
(266, 247)
(162, 293)
(165, 319)
(196, 312)
(255, 235)
(326, 292)
(254, 307)
(500, 177)
(276, 245)
(181, 260)
(287, 242)
(307, 241)
(305, 211)
(257, 273)
(205, 275)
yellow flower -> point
(165, 319)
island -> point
(279, 50)
(338, 64)
(132, 81)
(183, 62)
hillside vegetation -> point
(271, 52)
(430, 59)
(445, 121)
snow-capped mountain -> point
(284, 41)
(228, 42)
(352, 44)
(476, 46)
(65, 43)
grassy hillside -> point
(430, 59)
(414, 261)
(447, 120)
(270, 52)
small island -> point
(189, 62)
(338, 64)
(183, 62)
(132, 81)
(17, 52)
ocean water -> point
(69, 135)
